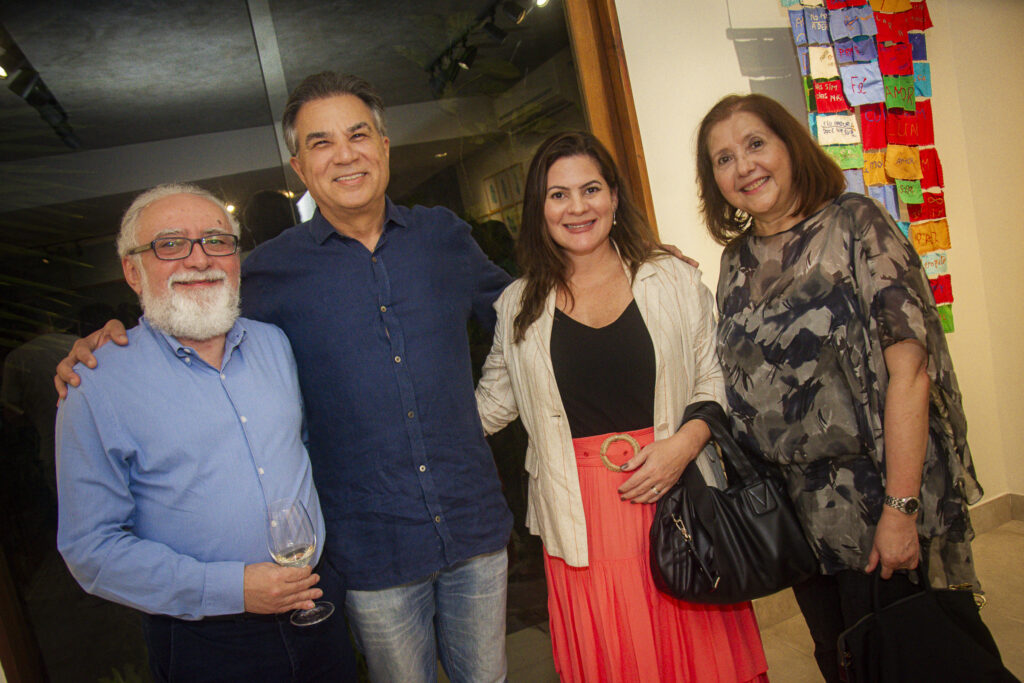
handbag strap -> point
(721, 433)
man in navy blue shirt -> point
(375, 299)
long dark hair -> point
(817, 178)
(542, 262)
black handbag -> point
(729, 545)
(933, 635)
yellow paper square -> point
(903, 162)
(930, 236)
(874, 168)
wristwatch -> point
(907, 506)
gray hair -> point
(127, 237)
(329, 84)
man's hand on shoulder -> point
(675, 251)
(81, 352)
(270, 589)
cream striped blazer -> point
(518, 381)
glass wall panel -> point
(101, 100)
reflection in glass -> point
(162, 92)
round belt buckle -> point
(612, 439)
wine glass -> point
(292, 543)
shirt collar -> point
(232, 340)
(321, 229)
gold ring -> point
(609, 441)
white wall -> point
(681, 62)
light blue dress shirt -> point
(166, 465)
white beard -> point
(196, 316)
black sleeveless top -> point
(605, 375)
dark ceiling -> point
(132, 71)
(192, 89)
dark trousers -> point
(254, 648)
(831, 604)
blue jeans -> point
(457, 613)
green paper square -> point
(809, 99)
(899, 92)
(946, 316)
(910, 191)
(847, 156)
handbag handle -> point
(715, 418)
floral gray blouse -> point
(804, 318)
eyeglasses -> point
(176, 248)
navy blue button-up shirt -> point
(407, 482)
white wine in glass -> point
(292, 543)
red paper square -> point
(919, 19)
(902, 128)
(835, 4)
(895, 59)
(872, 125)
(829, 96)
(892, 28)
(942, 289)
(933, 208)
(931, 168)
(924, 122)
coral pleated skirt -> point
(610, 623)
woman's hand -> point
(81, 352)
(656, 468)
(895, 545)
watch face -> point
(910, 506)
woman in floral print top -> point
(836, 365)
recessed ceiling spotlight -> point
(541, 3)
(441, 155)
(230, 208)
(514, 11)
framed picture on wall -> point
(492, 194)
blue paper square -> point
(796, 23)
(886, 195)
(922, 79)
(862, 83)
(918, 50)
(854, 180)
(816, 23)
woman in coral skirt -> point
(599, 347)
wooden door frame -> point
(607, 95)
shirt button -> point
(373, 258)
(437, 518)
(244, 419)
(398, 359)
(223, 376)
(383, 309)
(260, 470)
(187, 359)
(411, 414)
(423, 468)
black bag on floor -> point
(730, 545)
(934, 635)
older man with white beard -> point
(168, 459)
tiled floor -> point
(1000, 559)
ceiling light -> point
(514, 11)
(3, 72)
(230, 208)
(441, 155)
(468, 55)
(541, 3)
